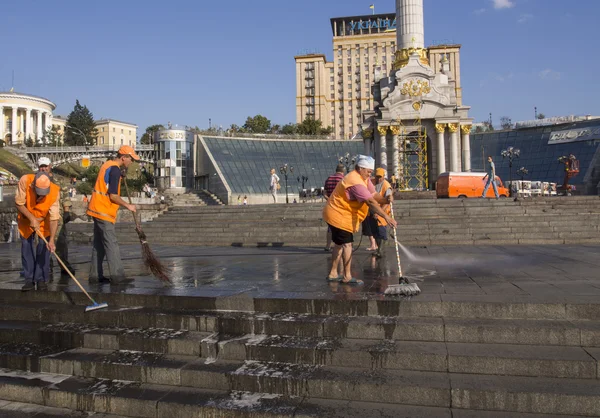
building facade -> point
(23, 116)
(115, 133)
(337, 92)
(175, 159)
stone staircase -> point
(22, 155)
(151, 355)
(545, 220)
(187, 200)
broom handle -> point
(66, 269)
(396, 242)
(129, 198)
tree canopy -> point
(148, 136)
(258, 124)
(80, 128)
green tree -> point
(148, 137)
(53, 136)
(275, 129)
(81, 128)
(541, 116)
(506, 122)
(289, 129)
(258, 124)
(311, 126)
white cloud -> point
(549, 75)
(524, 18)
(478, 11)
(503, 4)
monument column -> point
(2, 123)
(382, 147)
(440, 128)
(466, 147)
(410, 28)
(367, 140)
(395, 150)
(454, 161)
(13, 126)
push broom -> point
(150, 260)
(95, 305)
(405, 287)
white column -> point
(395, 151)
(367, 146)
(383, 147)
(48, 121)
(39, 125)
(2, 123)
(454, 146)
(22, 124)
(13, 130)
(28, 124)
(440, 128)
(466, 147)
(410, 31)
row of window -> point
(114, 141)
(122, 130)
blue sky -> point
(152, 61)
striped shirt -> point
(332, 181)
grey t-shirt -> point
(491, 171)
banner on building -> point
(574, 135)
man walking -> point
(103, 207)
(345, 209)
(274, 185)
(330, 185)
(491, 178)
(37, 201)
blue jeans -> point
(487, 186)
(35, 260)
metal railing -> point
(95, 148)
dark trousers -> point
(106, 246)
(35, 260)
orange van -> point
(466, 185)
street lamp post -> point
(78, 132)
(284, 169)
(511, 153)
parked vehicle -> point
(465, 185)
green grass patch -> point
(13, 164)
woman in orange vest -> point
(384, 188)
(103, 207)
(37, 203)
(346, 208)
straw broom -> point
(150, 260)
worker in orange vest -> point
(103, 207)
(346, 208)
(384, 188)
(37, 201)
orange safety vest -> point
(39, 209)
(100, 205)
(386, 208)
(341, 212)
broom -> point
(95, 305)
(150, 260)
(404, 287)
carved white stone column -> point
(2, 123)
(466, 147)
(395, 150)
(440, 128)
(22, 123)
(383, 147)
(39, 125)
(48, 121)
(410, 31)
(454, 147)
(28, 124)
(367, 139)
(13, 126)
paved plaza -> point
(541, 273)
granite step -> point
(436, 389)
(28, 410)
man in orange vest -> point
(103, 207)
(346, 208)
(37, 200)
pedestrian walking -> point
(274, 185)
(345, 209)
(330, 185)
(37, 201)
(103, 207)
(491, 178)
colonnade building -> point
(337, 92)
(23, 116)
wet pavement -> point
(540, 271)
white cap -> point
(365, 161)
(44, 161)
